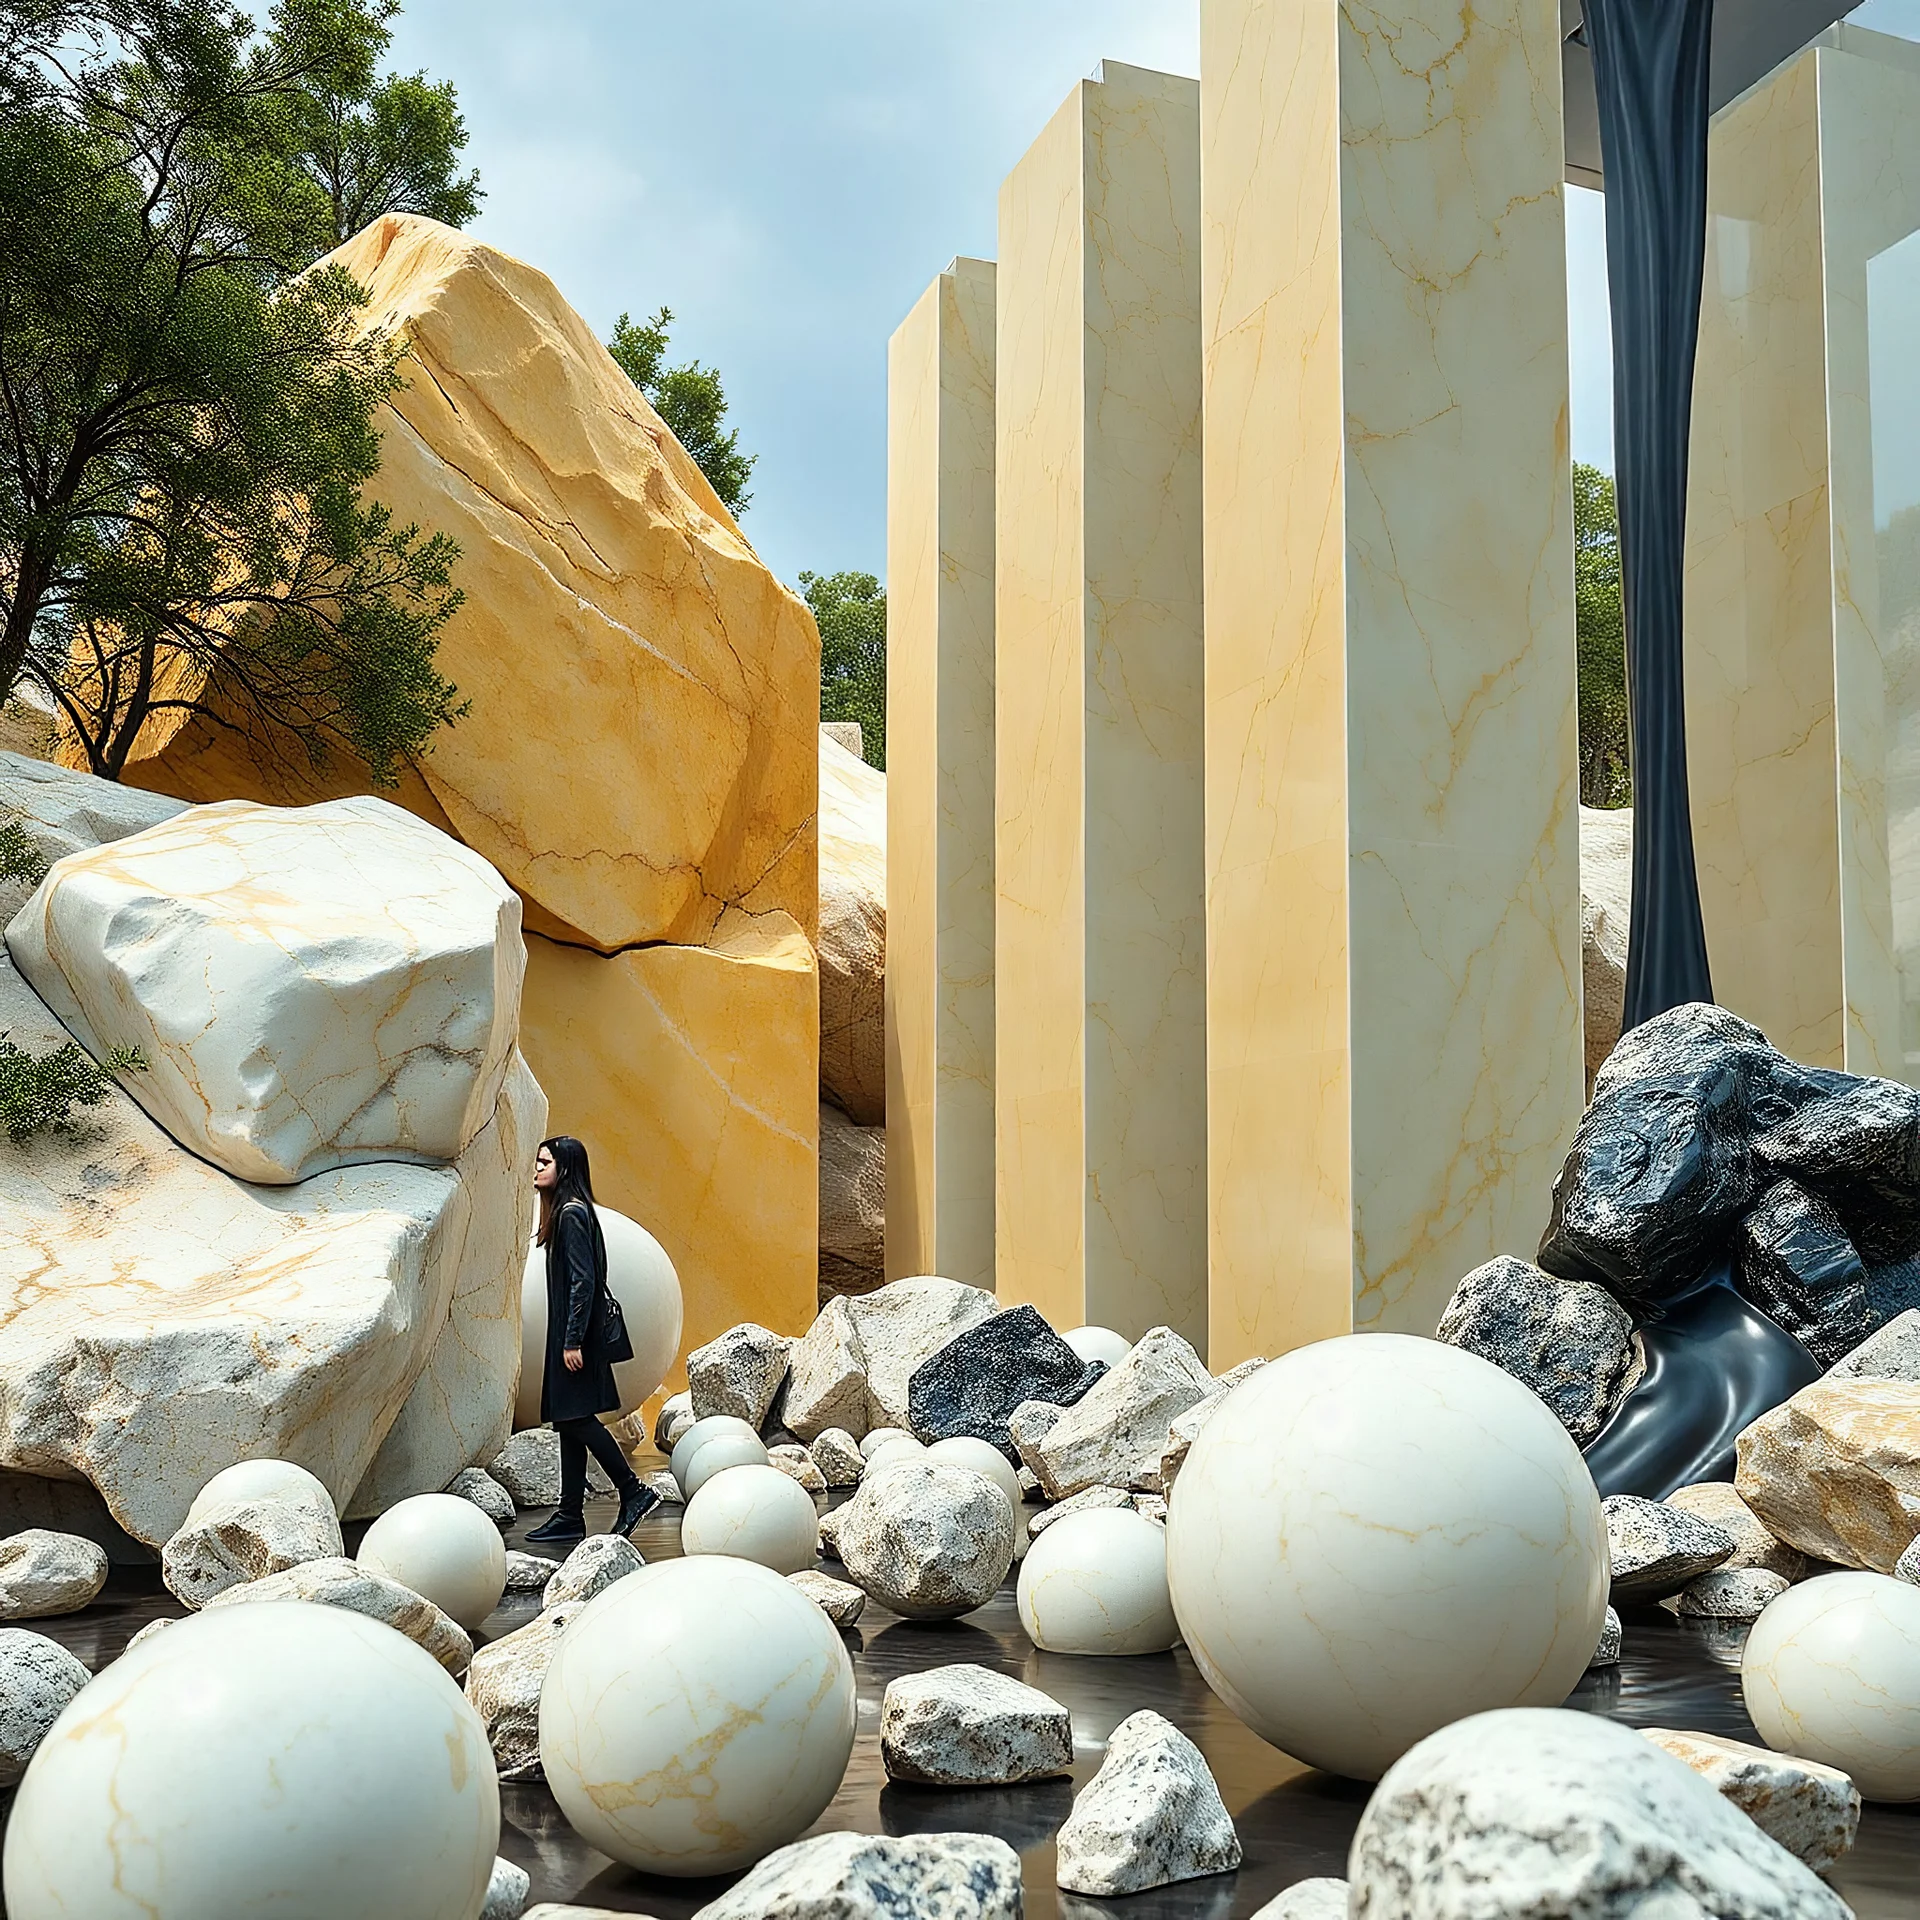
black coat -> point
(576, 1276)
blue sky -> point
(787, 175)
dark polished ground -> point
(1294, 1823)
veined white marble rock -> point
(837, 1454)
(249, 1480)
(852, 1876)
(38, 1677)
(718, 1452)
(244, 1540)
(312, 987)
(967, 1726)
(1152, 1815)
(1097, 1584)
(591, 1568)
(43, 1573)
(739, 1372)
(930, 1542)
(1533, 1811)
(840, 1601)
(1813, 1811)
(1116, 1433)
(345, 1583)
(503, 1687)
(880, 1437)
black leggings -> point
(578, 1438)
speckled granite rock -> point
(593, 1566)
(503, 1688)
(857, 1876)
(1308, 1900)
(1607, 1653)
(929, 1541)
(486, 1493)
(507, 1890)
(837, 1454)
(38, 1677)
(43, 1574)
(1657, 1549)
(529, 1572)
(967, 1726)
(1744, 1593)
(972, 1385)
(841, 1602)
(798, 1465)
(1891, 1354)
(740, 1372)
(528, 1466)
(1719, 1503)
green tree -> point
(691, 400)
(1600, 628)
(850, 609)
(186, 431)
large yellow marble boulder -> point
(853, 933)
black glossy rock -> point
(973, 1383)
(1699, 1041)
(1859, 1150)
(1797, 1265)
(1893, 1289)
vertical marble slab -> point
(1393, 998)
(1099, 935)
(939, 985)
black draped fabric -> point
(1650, 73)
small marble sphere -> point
(259, 1480)
(879, 1437)
(1831, 1671)
(1378, 1535)
(757, 1513)
(696, 1436)
(1099, 1343)
(892, 1452)
(725, 1442)
(281, 1758)
(445, 1549)
(1096, 1582)
(642, 1279)
(697, 1714)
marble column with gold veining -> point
(1393, 916)
(939, 989)
(1803, 558)
(1099, 1078)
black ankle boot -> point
(636, 1503)
(563, 1529)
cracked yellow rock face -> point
(640, 751)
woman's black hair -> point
(573, 1181)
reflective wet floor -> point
(1294, 1823)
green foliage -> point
(1605, 773)
(39, 1094)
(850, 610)
(20, 859)
(691, 400)
(188, 429)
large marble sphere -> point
(1097, 1583)
(1098, 1343)
(758, 1513)
(717, 1453)
(981, 1457)
(697, 1714)
(1377, 1535)
(445, 1549)
(260, 1480)
(1831, 1671)
(284, 1759)
(642, 1279)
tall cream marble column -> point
(939, 989)
(1803, 558)
(1099, 1086)
(1393, 923)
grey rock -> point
(739, 1373)
(1117, 1435)
(927, 1540)
(1859, 1150)
(528, 1466)
(43, 1573)
(1607, 1653)
(1027, 1426)
(503, 1688)
(1182, 1431)
(38, 1677)
(829, 1534)
(507, 1890)
(1533, 1811)
(1151, 1815)
(529, 1572)
(1656, 1549)
(837, 1454)
(1568, 1340)
(858, 1876)
(1092, 1500)
(1811, 1810)
(1755, 1546)
(1742, 1593)
(593, 1566)
(1030, 1488)
(1891, 1354)
(1798, 1267)
(486, 1493)
(967, 1726)
(246, 1540)
(671, 1408)
(797, 1464)
(346, 1584)
(971, 1386)
(1308, 1900)
(842, 1603)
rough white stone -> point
(1097, 1584)
(345, 1583)
(528, 1466)
(592, 1567)
(445, 1550)
(1151, 1815)
(1717, 1502)
(1308, 1900)
(1742, 1593)
(1182, 1431)
(799, 1467)
(1655, 1550)
(828, 1532)
(1151, 1506)
(245, 1540)
(1092, 1500)
(1029, 1424)
(827, 1376)
(486, 1493)
(312, 987)
(1891, 1354)
(859, 1876)
(43, 1573)
(503, 1687)
(1532, 1811)
(38, 1677)
(841, 1602)
(930, 1542)
(676, 1407)
(756, 1513)
(1607, 1653)
(529, 1572)
(1813, 1811)
(1116, 1433)
(507, 1891)
(967, 1726)
(739, 1373)
(837, 1454)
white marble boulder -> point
(38, 1677)
(929, 1541)
(244, 1540)
(43, 1573)
(851, 1876)
(503, 1687)
(1656, 1550)
(1116, 1434)
(1539, 1810)
(967, 1726)
(345, 1583)
(1812, 1810)
(739, 1372)
(1152, 1815)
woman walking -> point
(581, 1318)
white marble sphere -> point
(697, 1435)
(259, 1480)
(281, 1758)
(984, 1458)
(1097, 1583)
(1831, 1671)
(642, 1279)
(445, 1549)
(1378, 1535)
(879, 1437)
(757, 1513)
(697, 1714)
(717, 1453)
(893, 1452)
(1099, 1343)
